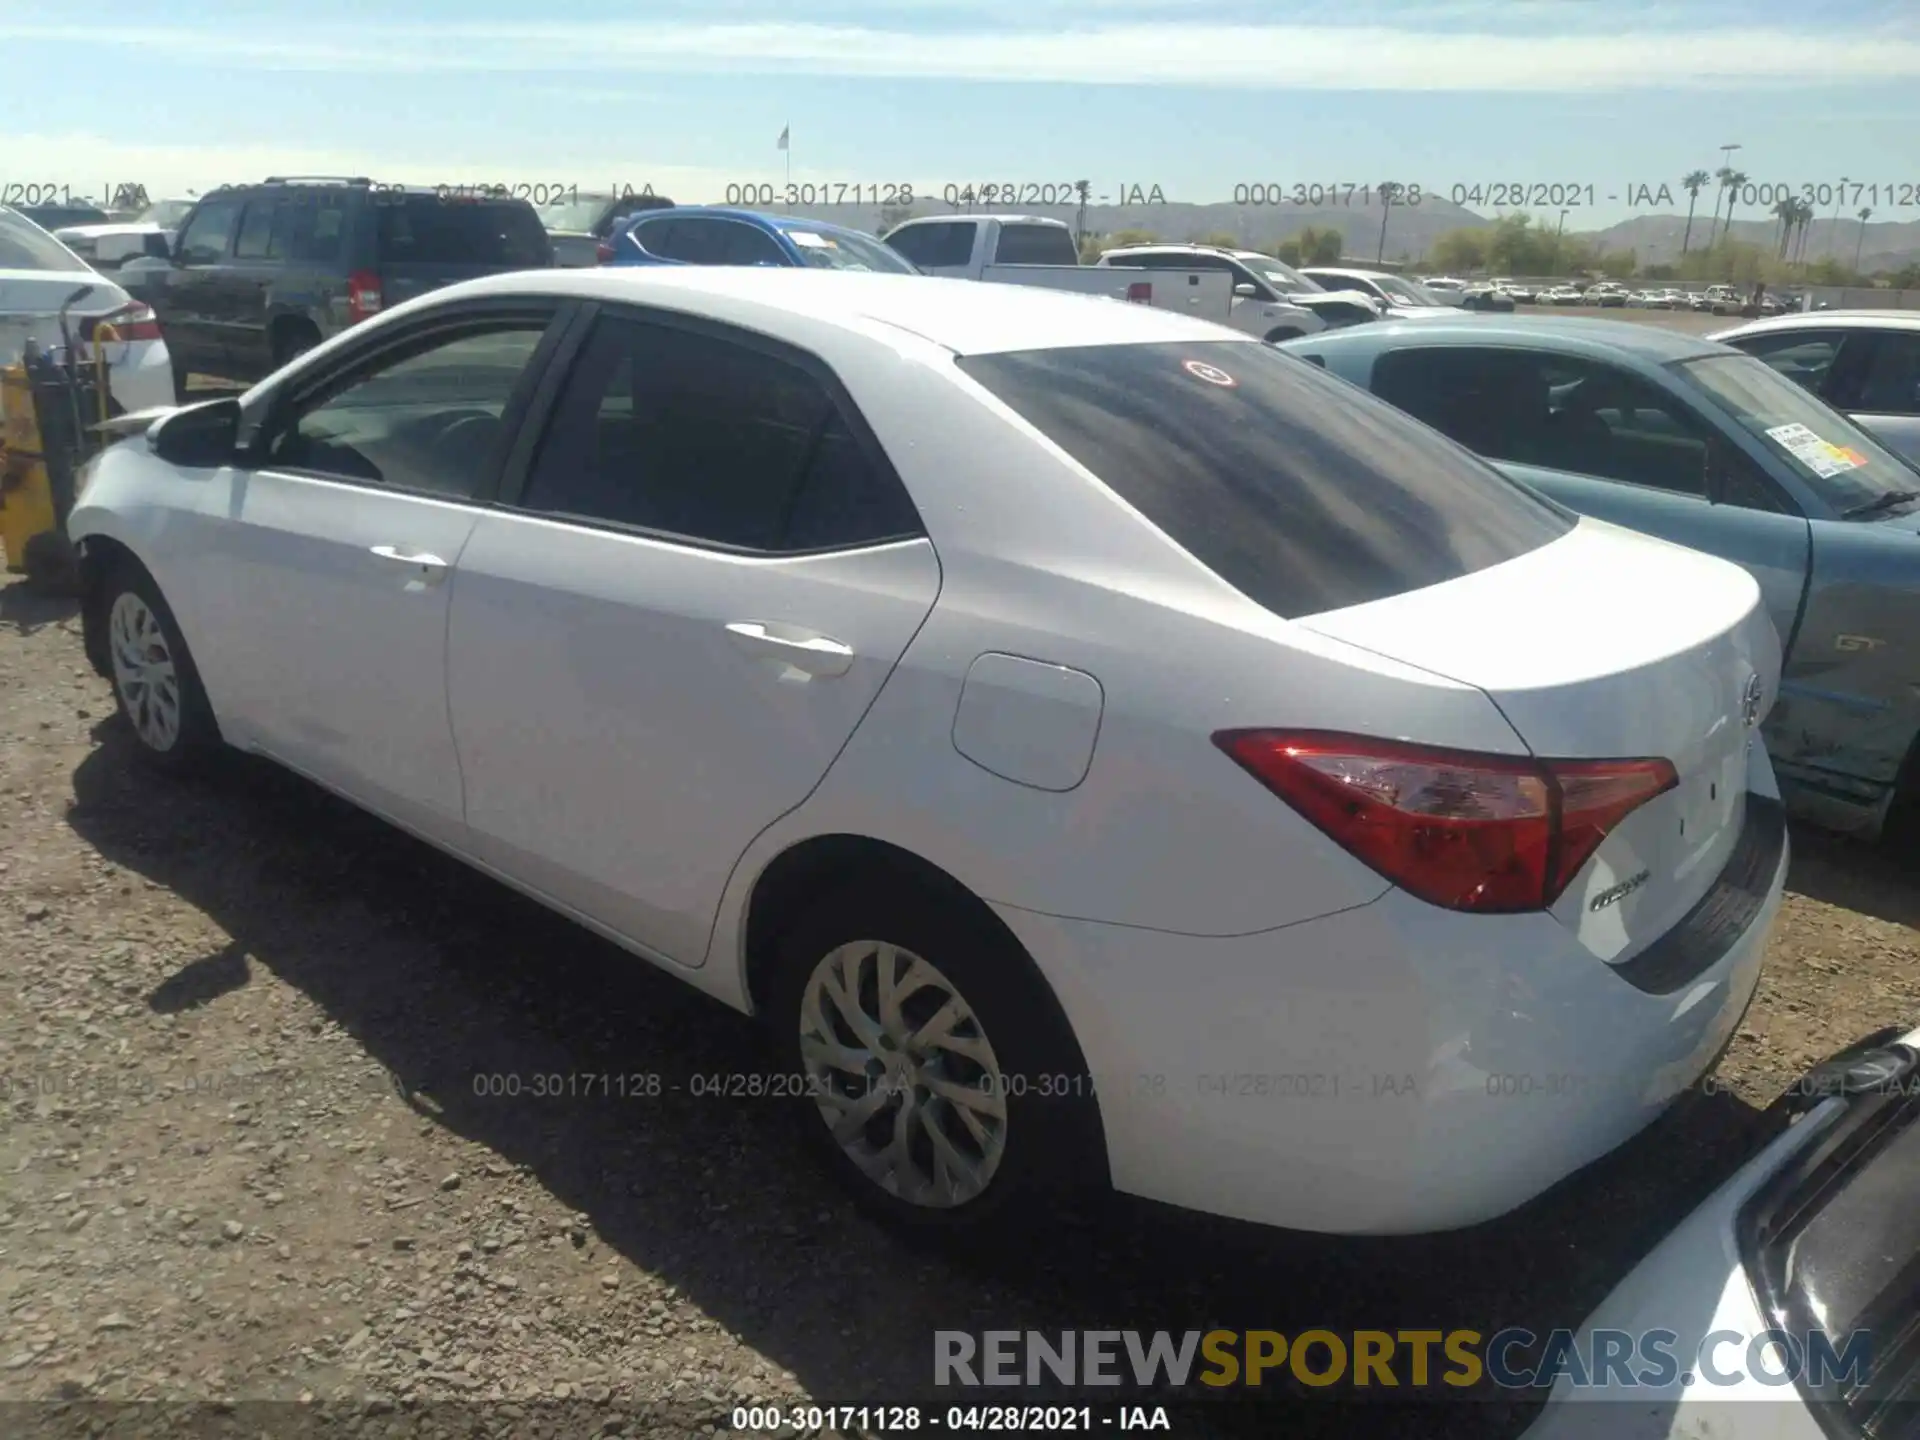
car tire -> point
(853, 1058)
(156, 685)
(291, 340)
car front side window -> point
(204, 241)
(429, 419)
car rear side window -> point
(426, 230)
(943, 245)
(1035, 245)
(1303, 492)
(695, 436)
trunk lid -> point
(1608, 644)
(30, 302)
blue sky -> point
(1195, 96)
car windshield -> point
(1282, 276)
(25, 246)
(843, 250)
(1303, 492)
(1405, 291)
(167, 214)
(1836, 459)
(574, 217)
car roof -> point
(1570, 335)
(751, 217)
(1837, 319)
(963, 316)
(1001, 219)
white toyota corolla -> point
(1097, 745)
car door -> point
(256, 257)
(321, 604)
(1877, 381)
(1607, 442)
(189, 303)
(691, 592)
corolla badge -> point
(1750, 702)
(1614, 894)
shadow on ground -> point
(1882, 880)
(442, 975)
(24, 609)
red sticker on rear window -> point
(1212, 374)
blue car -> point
(710, 235)
(1711, 448)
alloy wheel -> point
(144, 671)
(901, 1070)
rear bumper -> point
(1394, 1068)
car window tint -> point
(1536, 408)
(681, 434)
(1303, 492)
(740, 244)
(428, 230)
(657, 237)
(204, 241)
(256, 230)
(1804, 356)
(1891, 385)
(846, 498)
(1035, 245)
(25, 246)
(943, 245)
(429, 419)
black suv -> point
(262, 272)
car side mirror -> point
(206, 434)
(1245, 292)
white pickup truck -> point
(1034, 250)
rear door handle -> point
(431, 567)
(804, 653)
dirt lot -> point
(243, 1028)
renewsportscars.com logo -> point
(1513, 1358)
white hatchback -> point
(1099, 746)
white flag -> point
(781, 143)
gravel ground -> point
(245, 1159)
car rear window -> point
(1303, 492)
(427, 230)
(1035, 245)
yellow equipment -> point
(48, 406)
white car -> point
(108, 247)
(1790, 1288)
(1099, 746)
(1865, 362)
(39, 276)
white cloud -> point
(1375, 57)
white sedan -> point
(1099, 746)
(39, 277)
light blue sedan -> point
(1703, 445)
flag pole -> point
(788, 149)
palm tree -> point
(1724, 175)
(1082, 191)
(1805, 221)
(1735, 179)
(1787, 212)
(1694, 182)
(1866, 212)
(1389, 192)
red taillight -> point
(1494, 834)
(1140, 292)
(130, 322)
(603, 252)
(364, 297)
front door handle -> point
(431, 567)
(804, 653)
